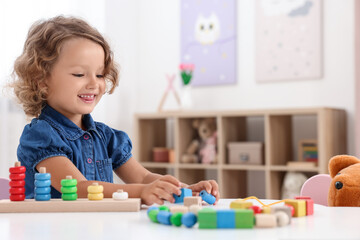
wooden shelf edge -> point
(244, 167)
(157, 165)
(290, 168)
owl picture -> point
(207, 29)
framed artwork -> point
(288, 40)
(208, 40)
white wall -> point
(156, 46)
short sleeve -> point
(118, 143)
(40, 141)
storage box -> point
(245, 153)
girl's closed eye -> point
(78, 75)
(100, 76)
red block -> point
(19, 183)
(256, 209)
(15, 170)
(17, 190)
(17, 197)
(17, 176)
(302, 197)
(309, 204)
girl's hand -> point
(210, 186)
(160, 190)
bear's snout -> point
(338, 185)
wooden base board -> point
(80, 205)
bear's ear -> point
(339, 162)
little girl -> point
(64, 70)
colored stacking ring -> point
(69, 196)
(69, 189)
(17, 176)
(68, 182)
(95, 189)
(42, 197)
(17, 170)
(42, 183)
(95, 196)
(42, 176)
(42, 190)
(15, 184)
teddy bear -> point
(344, 188)
(203, 149)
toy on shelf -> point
(204, 149)
(170, 88)
(17, 182)
(120, 195)
(292, 184)
(95, 191)
(42, 185)
(344, 188)
(69, 189)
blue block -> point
(188, 219)
(207, 197)
(42, 176)
(163, 217)
(42, 197)
(42, 190)
(185, 192)
(225, 218)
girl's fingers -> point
(163, 195)
(168, 187)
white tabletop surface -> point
(326, 223)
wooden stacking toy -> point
(69, 189)
(95, 191)
(17, 182)
(42, 185)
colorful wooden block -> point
(196, 200)
(240, 204)
(285, 209)
(266, 210)
(182, 209)
(207, 218)
(175, 219)
(265, 220)
(189, 219)
(185, 192)
(194, 209)
(299, 207)
(225, 218)
(309, 204)
(207, 197)
(244, 218)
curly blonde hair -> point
(41, 51)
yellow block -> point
(266, 210)
(240, 204)
(299, 207)
(95, 196)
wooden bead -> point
(120, 195)
(282, 218)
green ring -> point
(69, 196)
(69, 189)
(68, 182)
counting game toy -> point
(69, 201)
(242, 214)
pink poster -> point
(288, 40)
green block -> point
(175, 219)
(68, 189)
(69, 196)
(68, 182)
(164, 208)
(153, 215)
(207, 218)
(244, 218)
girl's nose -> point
(92, 82)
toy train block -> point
(285, 209)
(265, 220)
(176, 209)
(244, 218)
(185, 192)
(309, 204)
(95, 191)
(189, 219)
(299, 207)
(69, 189)
(17, 182)
(207, 197)
(188, 201)
(225, 218)
(42, 185)
(240, 204)
(163, 217)
(207, 218)
(282, 218)
(120, 195)
(195, 209)
(175, 219)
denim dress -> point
(96, 152)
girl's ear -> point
(339, 162)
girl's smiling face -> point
(76, 82)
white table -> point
(326, 223)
